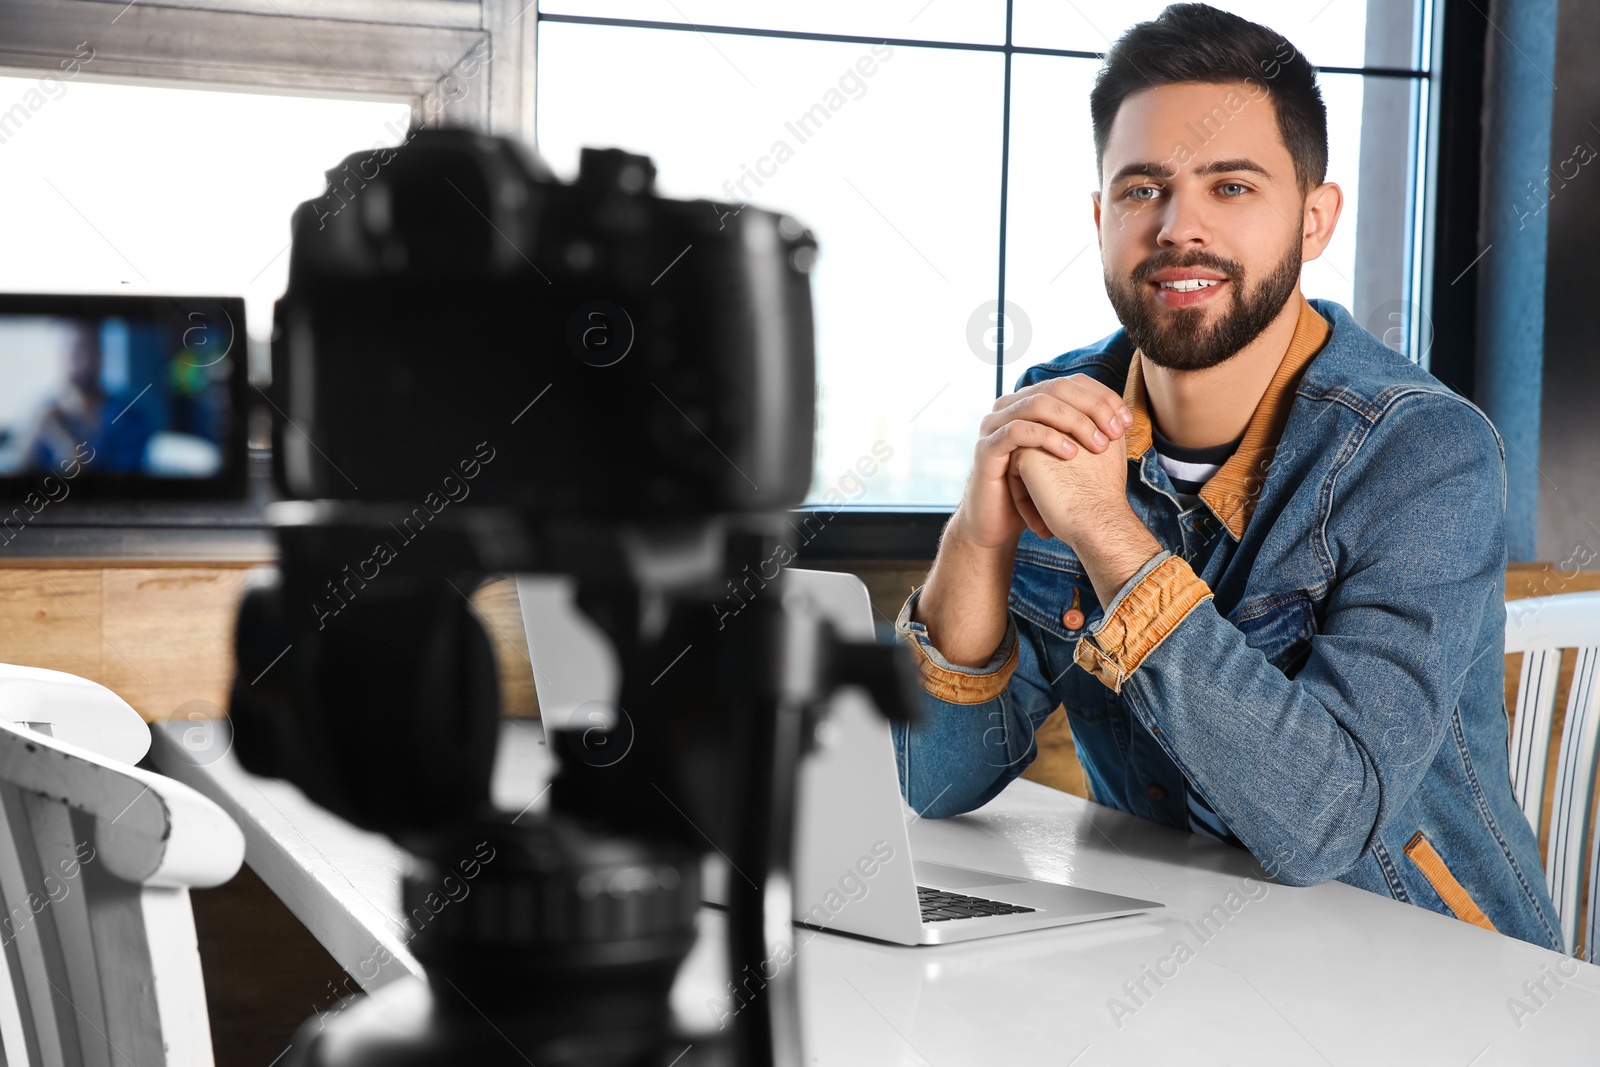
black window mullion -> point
(1005, 175)
(1007, 47)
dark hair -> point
(1198, 43)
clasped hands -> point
(1065, 454)
(1053, 457)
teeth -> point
(1189, 285)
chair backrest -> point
(1542, 628)
(96, 860)
(74, 710)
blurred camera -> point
(579, 379)
(461, 294)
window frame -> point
(393, 48)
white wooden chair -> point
(1541, 628)
(96, 860)
(74, 710)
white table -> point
(342, 883)
(1324, 975)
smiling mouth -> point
(1190, 285)
(1181, 293)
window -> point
(928, 104)
(163, 146)
(144, 188)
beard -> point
(1177, 338)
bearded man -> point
(1258, 556)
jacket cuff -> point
(1148, 608)
(951, 683)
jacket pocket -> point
(1047, 583)
(1420, 851)
(1050, 590)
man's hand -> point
(1084, 501)
(1060, 417)
(963, 602)
(1073, 495)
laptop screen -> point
(122, 397)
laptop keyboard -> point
(939, 905)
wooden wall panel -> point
(162, 637)
(51, 618)
(167, 638)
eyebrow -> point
(1154, 169)
(1143, 170)
(1233, 166)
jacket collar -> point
(1232, 492)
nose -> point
(1183, 221)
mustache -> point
(1231, 268)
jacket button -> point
(1155, 792)
(1072, 619)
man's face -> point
(1202, 223)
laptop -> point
(853, 867)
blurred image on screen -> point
(120, 395)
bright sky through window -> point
(148, 188)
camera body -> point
(462, 302)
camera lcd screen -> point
(125, 397)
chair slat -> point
(24, 1041)
(13, 1031)
(1591, 941)
(1530, 731)
(37, 933)
(65, 926)
(1571, 815)
(181, 997)
(120, 944)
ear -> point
(1095, 197)
(1319, 217)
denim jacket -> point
(1318, 649)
